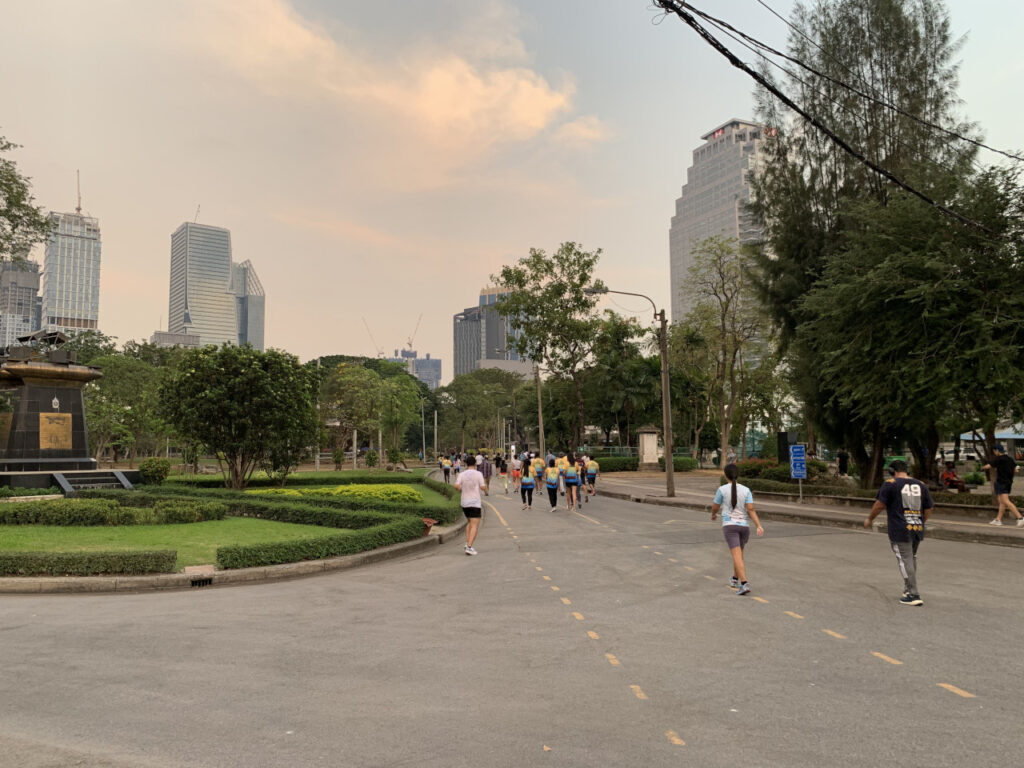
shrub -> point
(750, 468)
(154, 471)
(974, 478)
(679, 463)
(6, 492)
(341, 543)
(371, 458)
(174, 511)
(63, 512)
(338, 457)
(381, 492)
(86, 563)
(618, 463)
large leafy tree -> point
(349, 397)
(820, 206)
(243, 404)
(22, 223)
(623, 383)
(123, 406)
(551, 315)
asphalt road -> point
(606, 638)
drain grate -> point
(202, 582)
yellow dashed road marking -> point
(957, 691)
(644, 546)
(578, 616)
(709, 578)
(672, 560)
(673, 738)
(657, 553)
(495, 510)
(689, 568)
(554, 588)
(794, 615)
(539, 568)
(834, 634)
(588, 519)
(566, 601)
(612, 660)
(638, 691)
(760, 600)
(883, 657)
(593, 635)
(546, 578)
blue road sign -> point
(798, 462)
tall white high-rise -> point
(712, 202)
(210, 296)
(19, 292)
(71, 274)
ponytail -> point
(731, 473)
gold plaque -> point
(55, 431)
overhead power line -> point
(680, 9)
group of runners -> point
(568, 475)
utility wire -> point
(842, 107)
(863, 94)
(677, 7)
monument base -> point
(47, 465)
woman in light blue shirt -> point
(736, 504)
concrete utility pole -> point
(316, 460)
(540, 410)
(666, 397)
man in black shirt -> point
(908, 505)
(1005, 468)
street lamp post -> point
(666, 405)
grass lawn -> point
(196, 543)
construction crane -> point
(196, 219)
(418, 321)
(380, 351)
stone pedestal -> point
(648, 449)
(42, 416)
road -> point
(602, 638)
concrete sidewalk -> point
(695, 491)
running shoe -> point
(743, 589)
(554, 509)
(734, 583)
(470, 550)
(524, 506)
(1020, 522)
(911, 600)
(995, 522)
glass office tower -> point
(71, 274)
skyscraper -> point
(481, 338)
(426, 369)
(19, 294)
(210, 296)
(71, 274)
(712, 201)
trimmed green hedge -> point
(301, 479)
(939, 497)
(679, 463)
(86, 563)
(6, 492)
(108, 511)
(618, 463)
(342, 543)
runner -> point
(581, 474)
(471, 483)
(571, 476)
(1005, 468)
(446, 467)
(592, 469)
(485, 468)
(551, 479)
(526, 490)
(539, 465)
(457, 466)
(517, 472)
(560, 463)
(503, 472)
(737, 505)
(908, 505)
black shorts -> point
(1001, 488)
(472, 512)
(591, 480)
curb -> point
(937, 529)
(48, 585)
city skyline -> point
(363, 159)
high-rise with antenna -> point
(71, 271)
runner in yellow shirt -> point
(593, 468)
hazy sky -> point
(380, 160)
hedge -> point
(302, 479)
(342, 543)
(679, 463)
(618, 463)
(6, 492)
(65, 512)
(154, 470)
(939, 497)
(86, 563)
(388, 492)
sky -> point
(378, 162)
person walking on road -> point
(593, 468)
(517, 473)
(471, 484)
(1005, 468)
(551, 478)
(736, 504)
(486, 469)
(571, 476)
(526, 485)
(908, 505)
(446, 467)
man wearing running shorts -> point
(592, 469)
(517, 473)
(471, 483)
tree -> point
(551, 315)
(349, 395)
(123, 406)
(727, 309)
(464, 408)
(691, 365)
(242, 404)
(22, 224)
(626, 383)
(89, 345)
(820, 206)
(399, 406)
